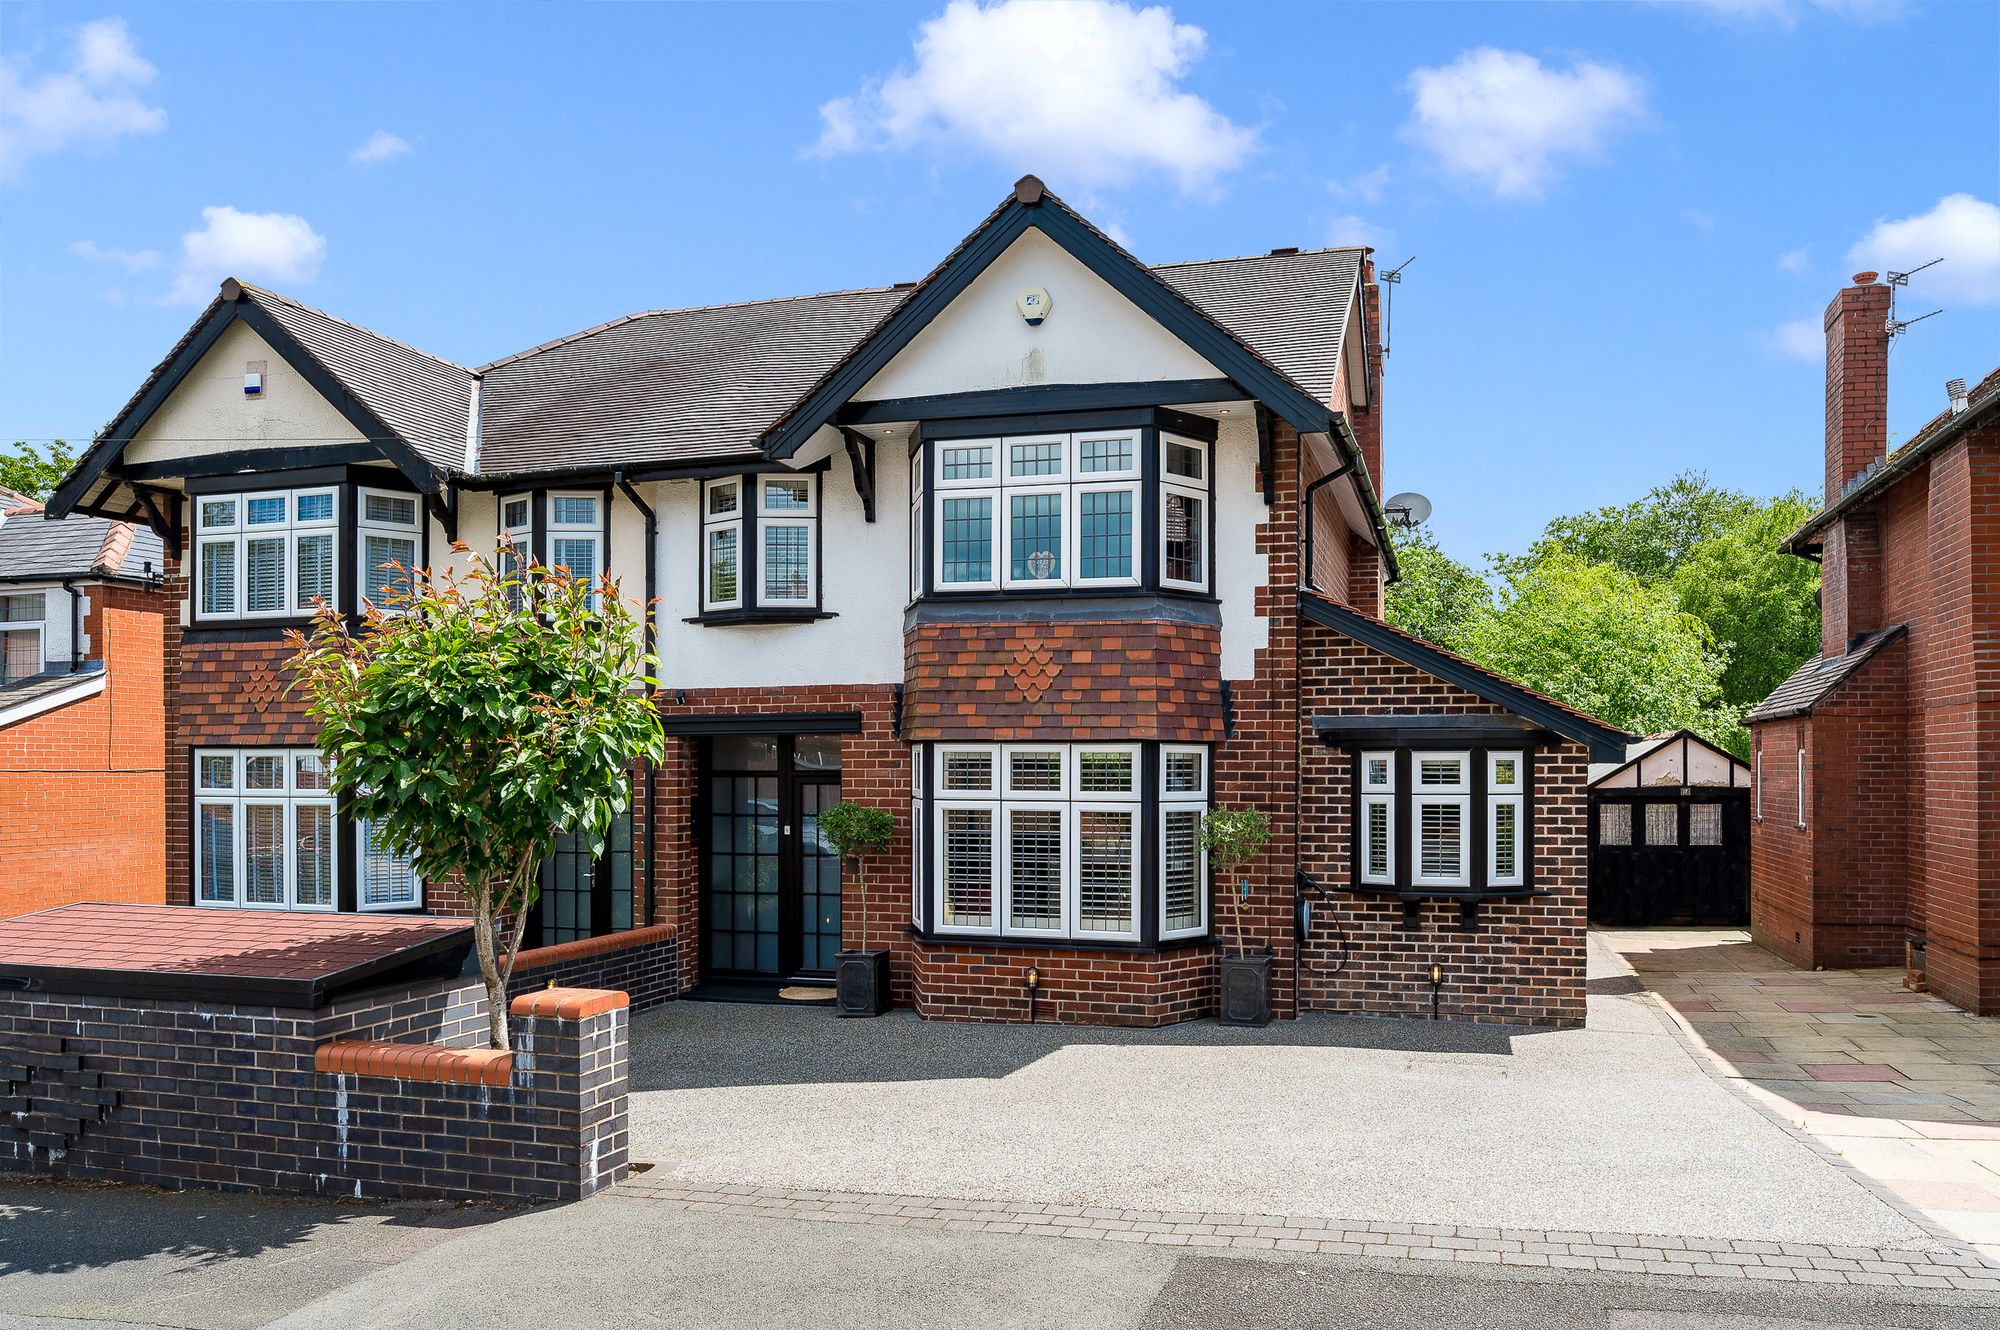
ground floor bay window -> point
(1085, 843)
(269, 834)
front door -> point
(771, 906)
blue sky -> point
(1627, 218)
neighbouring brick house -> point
(82, 720)
(1047, 553)
(1876, 828)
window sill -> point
(1055, 943)
(730, 618)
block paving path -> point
(1903, 1086)
(1626, 1253)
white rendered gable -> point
(208, 412)
(1091, 335)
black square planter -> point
(861, 982)
(1246, 991)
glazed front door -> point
(772, 890)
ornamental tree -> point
(1233, 837)
(854, 830)
(474, 718)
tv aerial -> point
(1898, 280)
(1407, 509)
(1391, 279)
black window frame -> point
(1151, 423)
(347, 482)
(749, 522)
(1479, 797)
(924, 801)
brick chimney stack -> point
(1857, 437)
(1857, 382)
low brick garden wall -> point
(640, 962)
(383, 1095)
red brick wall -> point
(874, 770)
(974, 982)
(1526, 965)
(1781, 851)
(1145, 679)
(81, 787)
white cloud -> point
(1348, 229)
(130, 260)
(265, 246)
(1797, 339)
(1368, 187)
(91, 104)
(1086, 94)
(382, 146)
(1797, 262)
(1697, 218)
(1961, 229)
(1786, 13)
(1503, 120)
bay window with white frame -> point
(760, 548)
(268, 835)
(1448, 822)
(389, 532)
(1049, 841)
(1042, 513)
(576, 535)
(266, 555)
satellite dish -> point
(1407, 509)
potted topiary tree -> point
(1233, 837)
(861, 976)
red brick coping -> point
(461, 1066)
(414, 1062)
(538, 957)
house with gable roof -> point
(1048, 553)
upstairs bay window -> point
(389, 528)
(1084, 843)
(566, 529)
(271, 555)
(1087, 510)
(1441, 821)
(760, 555)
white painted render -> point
(1660, 764)
(981, 342)
(208, 413)
(864, 581)
(1239, 567)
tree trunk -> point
(489, 966)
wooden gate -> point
(1675, 855)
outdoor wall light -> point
(1437, 982)
(1033, 979)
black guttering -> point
(229, 306)
(763, 722)
(1606, 743)
(1041, 397)
(1885, 473)
(1030, 206)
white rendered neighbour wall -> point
(981, 342)
(1239, 566)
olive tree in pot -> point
(861, 976)
(1233, 837)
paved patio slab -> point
(1883, 1076)
(1614, 1128)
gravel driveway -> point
(1613, 1128)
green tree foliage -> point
(1436, 597)
(1602, 640)
(1760, 603)
(1232, 837)
(1709, 554)
(473, 720)
(35, 472)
